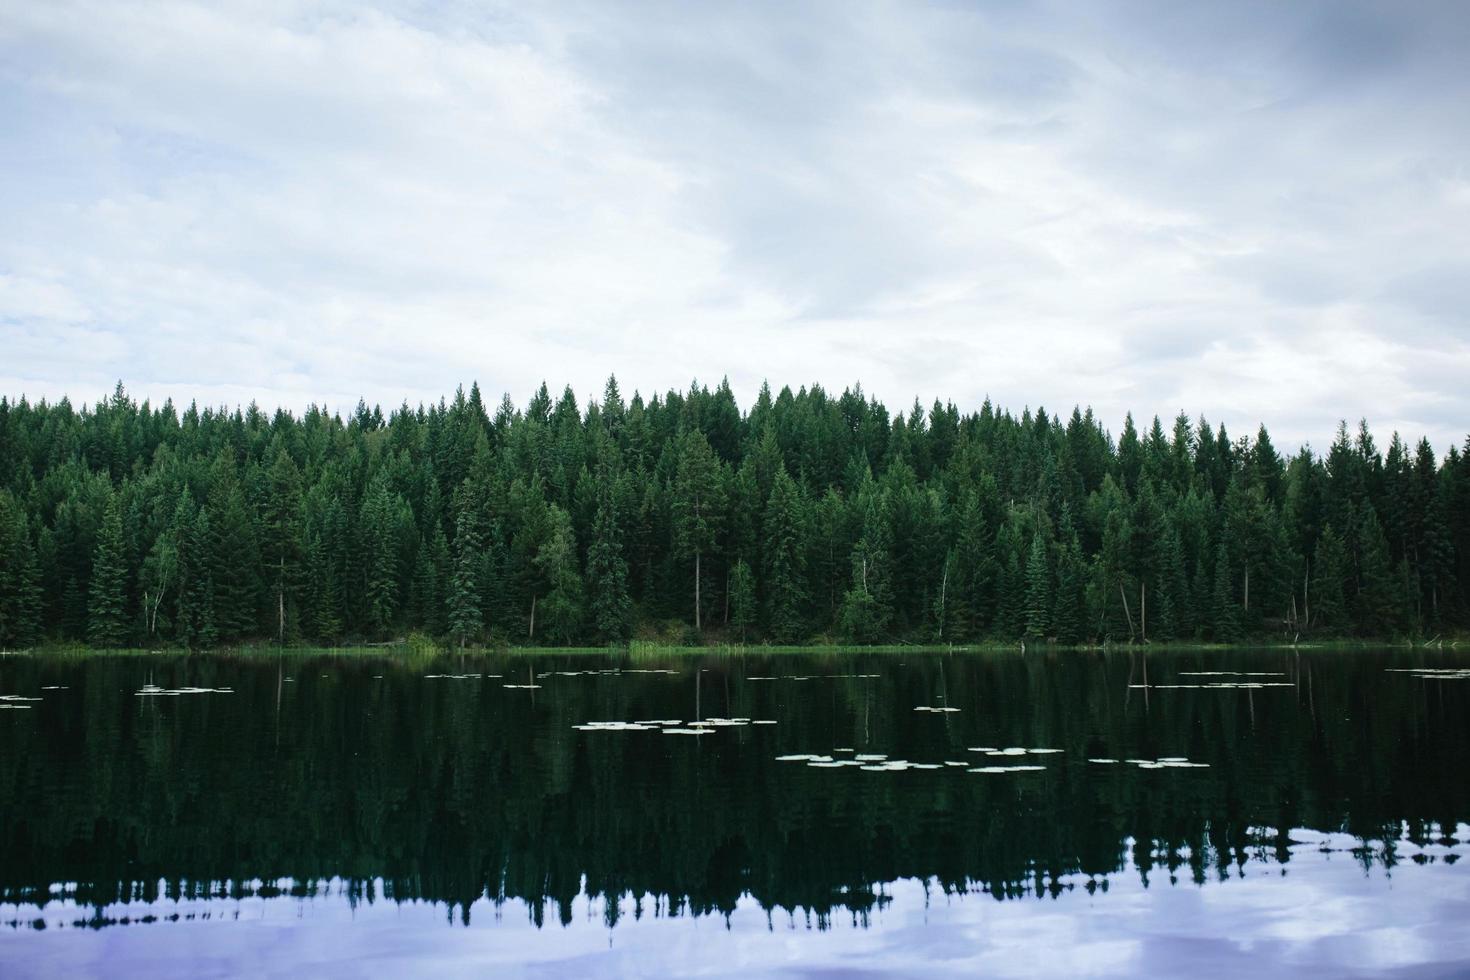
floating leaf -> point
(991, 770)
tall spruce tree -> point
(1038, 590)
(906, 527)
(1068, 610)
(557, 560)
(20, 577)
(466, 618)
(698, 503)
(742, 600)
(281, 548)
(784, 560)
(607, 570)
(106, 594)
(1225, 612)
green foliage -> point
(697, 505)
(607, 573)
(466, 618)
(785, 571)
(20, 577)
(561, 610)
(814, 514)
(1328, 577)
(742, 600)
(1225, 611)
(106, 599)
(1038, 590)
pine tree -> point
(20, 580)
(919, 526)
(557, 560)
(1068, 612)
(281, 547)
(1010, 617)
(233, 553)
(698, 502)
(1378, 608)
(864, 616)
(867, 606)
(466, 620)
(742, 600)
(194, 602)
(381, 525)
(1173, 610)
(1329, 572)
(1038, 590)
(426, 586)
(106, 595)
(1225, 616)
(607, 570)
(784, 560)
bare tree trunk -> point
(696, 591)
(943, 588)
(157, 601)
(1307, 593)
(1143, 610)
(281, 601)
(531, 633)
(1126, 611)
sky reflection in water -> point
(402, 802)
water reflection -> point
(313, 783)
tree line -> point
(809, 517)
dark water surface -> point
(336, 816)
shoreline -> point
(407, 650)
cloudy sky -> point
(1258, 211)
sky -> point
(1255, 211)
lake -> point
(1286, 813)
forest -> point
(685, 520)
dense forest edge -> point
(683, 521)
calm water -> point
(336, 815)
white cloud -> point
(298, 202)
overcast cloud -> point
(1254, 211)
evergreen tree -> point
(698, 501)
(106, 596)
(281, 541)
(1378, 608)
(233, 554)
(427, 587)
(911, 527)
(20, 578)
(1225, 615)
(607, 571)
(1173, 608)
(466, 621)
(557, 560)
(867, 606)
(742, 600)
(1329, 607)
(194, 611)
(784, 560)
(1068, 611)
(1038, 590)
(382, 522)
